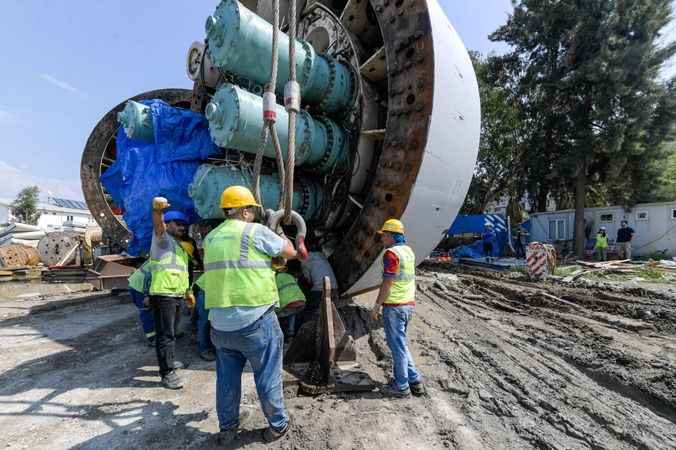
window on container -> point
(642, 216)
(673, 213)
(557, 230)
(607, 218)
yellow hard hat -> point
(237, 197)
(393, 226)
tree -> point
(498, 167)
(25, 206)
(587, 76)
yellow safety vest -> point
(170, 272)
(236, 272)
(139, 280)
(403, 286)
(288, 289)
(601, 241)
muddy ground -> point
(508, 364)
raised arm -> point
(159, 205)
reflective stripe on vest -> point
(236, 272)
(288, 289)
(403, 285)
(137, 280)
(170, 272)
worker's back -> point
(315, 268)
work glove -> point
(189, 300)
(376, 312)
(160, 203)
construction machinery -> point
(388, 124)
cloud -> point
(14, 179)
(6, 117)
(60, 84)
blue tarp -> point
(164, 168)
(477, 224)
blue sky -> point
(68, 63)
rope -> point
(291, 148)
(269, 125)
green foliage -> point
(586, 76)
(666, 183)
(25, 206)
(499, 162)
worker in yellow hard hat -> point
(396, 303)
(241, 296)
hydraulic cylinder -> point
(137, 121)
(240, 42)
(210, 181)
(236, 121)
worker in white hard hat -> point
(396, 303)
(241, 296)
(601, 245)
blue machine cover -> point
(164, 168)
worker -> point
(624, 237)
(204, 346)
(241, 296)
(139, 285)
(601, 245)
(291, 302)
(396, 303)
(314, 269)
(169, 284)
(488, 238)
(520, 243)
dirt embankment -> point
(508, 364)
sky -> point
(68, 63)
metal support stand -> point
(325, 344)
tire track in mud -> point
(512, 378)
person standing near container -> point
(624, 237)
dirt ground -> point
(508, 364)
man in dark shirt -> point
(624, 236)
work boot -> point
(208, 355)
(417, 389)
(271, 435)
(390, 390)
(226, 437)
(172, 381)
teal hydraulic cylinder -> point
(210, 181)
(240, 42)
(236, 120)
(137, 121)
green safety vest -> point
(199, 282)
(288, 289)
(236, 273)
(170, 272)
(403, 286)
(139, 280)
(601, 241)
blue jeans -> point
(396, 319)
(261, 343)
(144, 315)
(203, 338)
